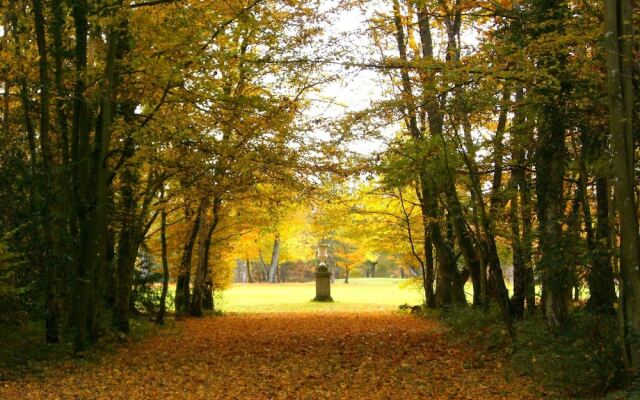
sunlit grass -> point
(361, 294)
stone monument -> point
(323, 276)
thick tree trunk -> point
(519, 216)
(555, 272)
(201, 287)
(99, 178)
(600, 278)
(464, 239)
(67, 222)
(49, 253)
(125, 263)
(80, 156)
(128, 242)
(195, 305)
(447, 266)
(427, 191)
(618, 40)
(523, 278)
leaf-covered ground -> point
(381, 355)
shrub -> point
(14, 299)
(583, 361)
(147, 286)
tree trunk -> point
(195, 305)
(447, 265)
(265, 268)
(128, 242)
(183, 293)
(49, 249)
(429, 272)
(600, 278)
(165, 264)
(275, 255)
(518, 213)
(427, 191)
(99, 178)
(555, 272)
(519, 265)
(200, 287)
(207, 298)
(465, 241)
(80, 157)
(249, 274)
(619, 42)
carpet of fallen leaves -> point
(282, 356)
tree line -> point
(516, 133)
(125, 120)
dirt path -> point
(282, 356)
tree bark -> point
(249, 273)
(555, 270)
(165, 264)
(600, 278)
(183, 292)
(49, 250)
(80, 155)
(520, 219)
(275, 255)
(200, 286)
(618, 41)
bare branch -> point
(151, 3)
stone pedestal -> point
(323, 285)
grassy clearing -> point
(361, 294)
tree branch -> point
(151, 3)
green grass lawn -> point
(361, 294)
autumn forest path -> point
(380, 355)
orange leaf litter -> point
(367, 355)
